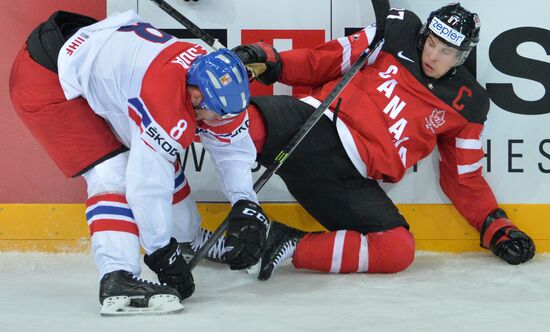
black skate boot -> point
(121, 293)
(215, 254)
(281, 244)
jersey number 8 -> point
(147, 32)
(179, 129)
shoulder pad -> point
(399, 18)
(401, 25)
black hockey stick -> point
(200, 33)
(381, 9)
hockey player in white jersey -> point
(154, 95)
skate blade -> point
(158, 305)
(254, 269)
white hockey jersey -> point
(134, 76)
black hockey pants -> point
(319, 173)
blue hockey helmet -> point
(222, 79)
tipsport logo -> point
(446, 32)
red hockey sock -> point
(390, 251)
(257, 128)
(350, 251)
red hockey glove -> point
(262, 60)
(505, 240)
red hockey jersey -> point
(392, 115)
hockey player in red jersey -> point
(117, 101)
(414, 96)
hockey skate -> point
(281, 244)
(215, 254)
(121, 293)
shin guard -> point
(348, 251)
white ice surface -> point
(439, 292)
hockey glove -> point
(171, 268)
(505, 240)
(246, 235)
(262, 60)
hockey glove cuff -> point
(505, 240)
(246, 235)
(262, 60)
(171, 268)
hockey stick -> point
(200, 33)
(381, 8)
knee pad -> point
(108, 176)
(390, 251)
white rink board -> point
(519, 143)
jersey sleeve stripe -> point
(346, 54)
(181, 186)
(470, 144)
(181, 194)
(463, 169)
(180, 178)
(137, 106)
(135, 117)
(370, 31)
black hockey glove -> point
(262, 60)
(246, 235)
(171, 268)
(505, 240)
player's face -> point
(437, 57)
(203, 113)
(196, 97)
